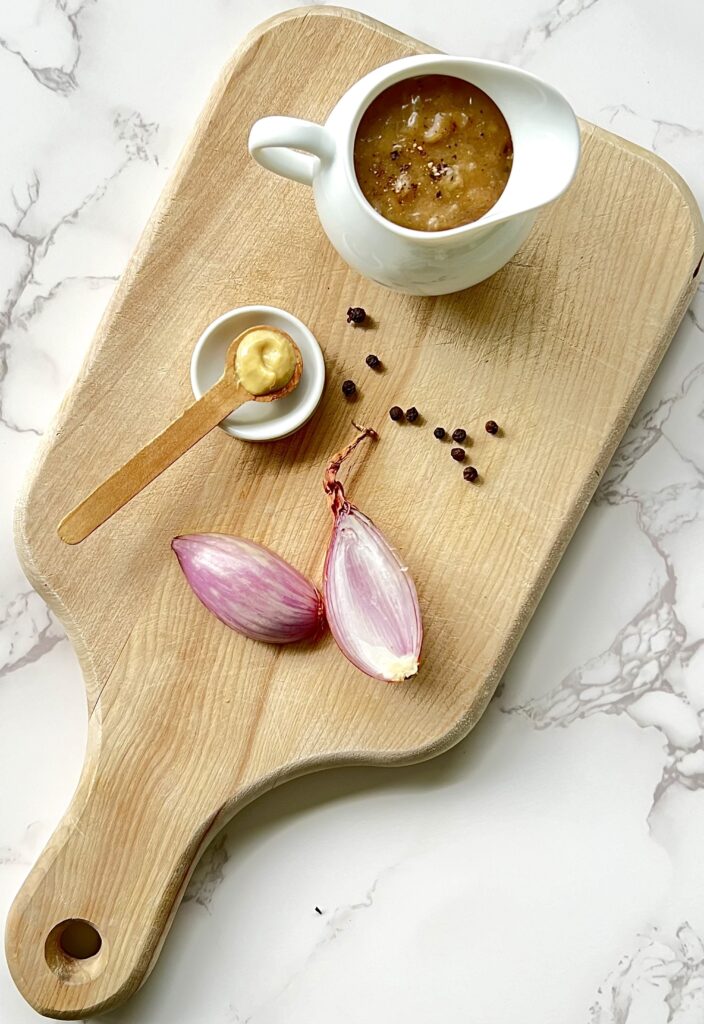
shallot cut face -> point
(370, 599)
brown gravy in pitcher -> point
(432, 153)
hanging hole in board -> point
(75, 951)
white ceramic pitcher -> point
(545, 138)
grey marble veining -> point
(660, 977)
(59, 77)
(548, 869)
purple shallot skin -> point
(250, 588)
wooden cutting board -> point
(188, 721)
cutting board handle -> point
(89, 921)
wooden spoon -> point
(226, 395)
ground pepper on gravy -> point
(432, 153)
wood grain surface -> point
(188, 721)
(197, 419)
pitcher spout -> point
(515, 150)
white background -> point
(549, 869)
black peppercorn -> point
(395, 154)
(457, 454)
(491, 427)
(396, 412)
(459, 435)
(373, 362)
(356, 315)
(439, 432)
(348, 388)
(470, 473)
(412, 414)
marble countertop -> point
(548, 870)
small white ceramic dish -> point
(260, 421)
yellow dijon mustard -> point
(265, 361)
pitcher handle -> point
(273, 142)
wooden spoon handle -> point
(198, 420)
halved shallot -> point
(370, 599)
(250, 588)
